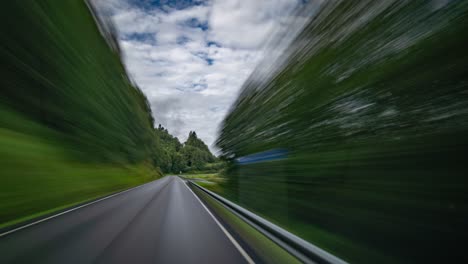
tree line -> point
(176, 157)
(75, 91)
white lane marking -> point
(73, 209)
(241, 250)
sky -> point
(191, 57)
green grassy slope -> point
(72, 125)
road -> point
(160, 222)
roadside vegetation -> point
(210, 181)
(193, 156)
(368, 107)
(264, 248)
(73, 125)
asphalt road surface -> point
(160, 222)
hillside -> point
(355, 136)
(73, 126)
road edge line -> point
(72, 209)
(233, 241)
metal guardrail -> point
(299, 248)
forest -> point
(190, 157)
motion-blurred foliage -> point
(370, 103)
(72, 124)
(59, 71)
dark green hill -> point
(356, 138)
(73, 126)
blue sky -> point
(176, 4)
(191, 58)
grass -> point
(73, 127)
(263, 247)
(210, 181)
(204, 176)
(38, 176)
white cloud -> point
(192, 62)
(247, 24)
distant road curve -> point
(160, 222)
